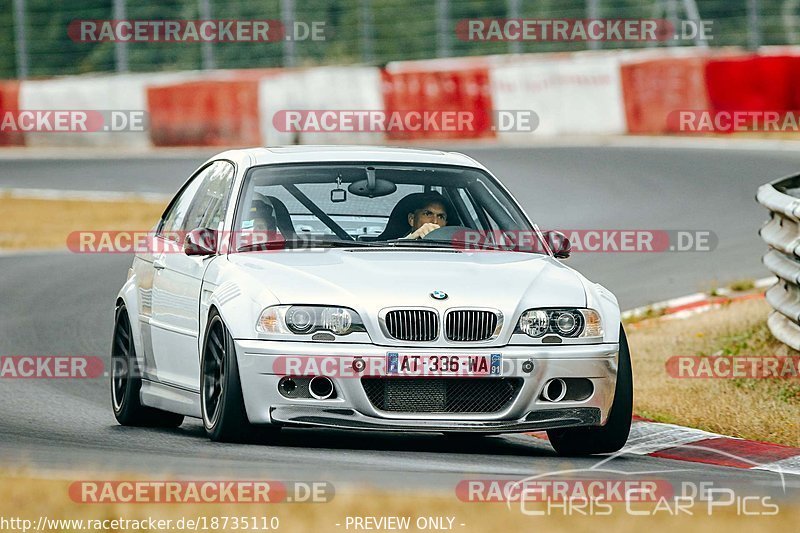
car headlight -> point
(568, 323)
(306, 319)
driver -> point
(262, 214)
(260, 227)
(430, 214)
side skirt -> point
(169, 398)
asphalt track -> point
(59, 303)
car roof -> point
(321, 153)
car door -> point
(178, 280)
(163, 238)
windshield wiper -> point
(302, 243)
(453, 244)
(457, 244)
(427, 243)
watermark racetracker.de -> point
(401, 121)
(590, 240)
(582, 30)
(600, 490)
(733, 121)
(733, 367)
(605, 494)
(74, 121)
(51, 367)
(580, 240)
(193, 31)
(200, 491)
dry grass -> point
(742, 285)
(38, 224)
(28, 497)
(759, 409)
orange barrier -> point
(755, 83)
(430, 91)
(653, 89)
(205, 113)
(9, 103)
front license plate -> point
(409, 364)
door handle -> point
(159, 264)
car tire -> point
(126, 381)
(612, 437)
(221, 401)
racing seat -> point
(276, 213)
(282, 218)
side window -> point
(173, 219)
(208, 208)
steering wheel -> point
(446, 233)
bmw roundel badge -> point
(439, 295)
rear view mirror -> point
(372, 187)
(200, 241)
(559, 243)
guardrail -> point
(782, 233)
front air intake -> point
(441, 395)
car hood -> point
(369, 279)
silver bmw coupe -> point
(363, 288)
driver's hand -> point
(423, 230)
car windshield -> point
(374, 204)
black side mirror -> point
(559, 243)
(200, 241)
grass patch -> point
(758, 409)
(742, 285)
(646, 314)
(37, 224)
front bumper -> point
(349, 419)
(260, 370)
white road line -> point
(63, 194)
(784, 466)
(104, 153)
